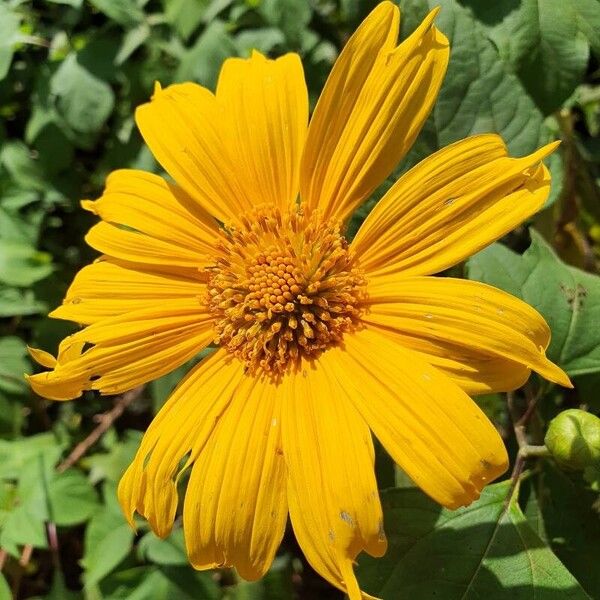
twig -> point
(23, 562)
(105, 420)
(526, 450)
(52, 536)
(519, 423)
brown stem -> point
(52, 535)
(23, 562)
(105, 420)
(520, 422)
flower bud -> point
(573, 439)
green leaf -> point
(276, 584)
(132, 40)
(124, 12)
(542, 42)
(25, 171)
(569, 299)
(170, 551)
(290, 16)
(12, 414)
(15, 455)
(153, 583)
(185, 15)
(264, 40)
(22, 265)
(108, 540)
(13, 364)
(587, 13)
(202, 62)
(9, 33)
(72, 498)
(5, 593)
(112, 464)
(84, 100)
(486, 550)
(571, 523)
(16, 227)
(25, 524)
(479, 93)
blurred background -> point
(72, 73)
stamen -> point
(283, 288)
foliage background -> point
(72, 73)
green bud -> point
(573, 439)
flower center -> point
(284, 287)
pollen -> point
(283, 288)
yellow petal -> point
(332, 491)
(451, 205)
(117, 354)
(108, 288)
(429, 426)
(266, 104)
(473, 371)
(235, 506)
(478, 317)
(148, 204)
(180, 429)
(42, 357)
(183, 127)
(371, 110)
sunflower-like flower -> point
(319, 342)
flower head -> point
(319, 342)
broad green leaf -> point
(25, 524)
(25, 171)
(12, 414)
(542, 42)
(22, 265)
(15, 455)
(568, 298)
(202, 62)
(185, 15)
(132, 40)
(84, 100)
(290, 16)
(276, 584)
(571, 523)
(479, 93)
(486, 550)
(13, 364)
(5, 593)
(170, 551)
(154, 583)
(108, 540)
(587, 13)
(72, 498)
(264, 40)
(112, 464)
(9, 32)
(124, 12)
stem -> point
(105, 420)
(526, 450)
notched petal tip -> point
(157, 90)
(89, 205)
(553, 373)
(42, 357)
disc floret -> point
(284, 287)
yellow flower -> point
(320, 342)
